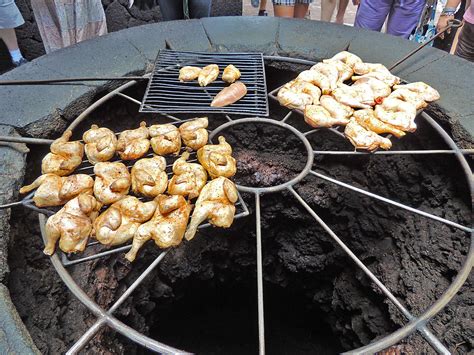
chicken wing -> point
(189, 73)
(149, 177)
(165, 139)
(188, 179)
(378, 87)
(217, 159)
(346, 57)
(427, 92)
(336, 109)
(64, 157)
(387, 78)
(166, 227)
(355, 96)
(297, 94)
(194, 133)
(409, 96)
(71, 225)
(54, 190)
(119, 222)
(316, 78)
(317, 116)
(345, 72)
(216, 204)
(230, 74)
(208, 74)
(330, 71)
(112, 182)
(101, 144)
(366, 118)
(397, 113)
(133, 144)
(362, 138)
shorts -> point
(465, 48)
(291, 2)
(10, 16)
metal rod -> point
(392, 152)
(287, 116)
(11, 204)
(67, 80)
(25, 140)
(391, 202)
(452, 24)
(428, 335)
(261, 319)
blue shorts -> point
(291, 2)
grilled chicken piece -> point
(409, 96)
(101, 144)
(346, 57)
(208, 74)
(119, 222)
(330, 71)
(64, 157)
(165, 139)
(345, 72)
(297, 94)
(149, 177)
(216, 204)
(217, 159)
(316, 78)
(427, 92)
(230, 74)
(378, 87)
(355, 96)
(188, 179)
(397, 113)
(366, 118)
(362, 138)
(364, 68)
(336, 109)
(72, 225)
(133, 144)
(112, 182)
(194, 133)
(229, 95)
(166, 227)
(387, 78)
(189, 73)
(54, 190)
(317, 116)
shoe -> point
(262, 13)
(255, 3)
(20, 62)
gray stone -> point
(185, 35)
(226, 8)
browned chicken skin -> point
(166, 227)
(208, 74)
(64, 157)
(119, 222)
(188, 179)
(54, 190)
(165, 139)
(366, 118)
(149, 177)
(71, 225)
(101, 144)
(230, 74)
(216, 204)
(112, 182)
(317, 116)
(362, 138)
(189, 73)
(133, 143)
(217, 159)
(194, 133)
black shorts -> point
(465, 48)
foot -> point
(340, 20)
(262, 13)
(20, 62)
(255, 3)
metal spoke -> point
(391, 202)
(67, 262)
(390, 152)
(287, 116)
(261, 319)
(426, 333)
(25, 140)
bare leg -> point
(341, 10)
(301, 10)
(283, 11)
(327, 9)
(263, 5)
(9, 37)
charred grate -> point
(165, 93)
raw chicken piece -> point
(230, 74)
(366, 118)
(378, 87)
(72, 225)
(189, 73)
(427, 92)
(409, 96)
(316, 78)
(353, 96)
(387, 78)
(229, 95)
(208, 74)
(217, 159)
(133, 144)
(336, 109)
(194, 133)
(166, 227)
(346, 57)
(317, 116)
(165, 139)
(297, 94)
(188, 179)
(345, 72)
(149, 177)
(215, 204)
(330, 71)
(364, 68)
(365, 139)
(397, 113)
(54, 190)
(101, 144)
(112, 182)
(119, 222)
(64, 157)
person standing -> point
(10, 18)
(328, 7)
(402, 15)
(291, 8)
(62, 23)
(183, 9)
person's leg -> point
(300, 10)
(465, 47)
(341, 10)
(262, 11)
(371, 14)
(283, 8)
(8, 36)
(171, 9)
(404, 17)
(327, 9)
(199, 8)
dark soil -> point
(202, 296)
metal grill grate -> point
(165, 93)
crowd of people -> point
(65, 22)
